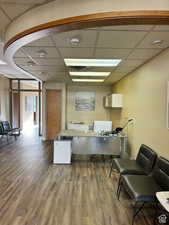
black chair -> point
(2, 132)
(143, 164)
(142, 189)
(8, 130)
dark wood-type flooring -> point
(35, 192)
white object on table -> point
(100, 126)
(62, 152)
(162, 198)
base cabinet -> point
(62, 152)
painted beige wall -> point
(145, 97)
(100, 112)
(4, 98)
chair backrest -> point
(146, 158)
(161, 173)
(1, 129)
(6, 125)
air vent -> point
(78, 68)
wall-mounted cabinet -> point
(114, 101)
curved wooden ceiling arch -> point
(99, 19)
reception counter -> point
(91, 143)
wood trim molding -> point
(93, 20)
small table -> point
(162, 198)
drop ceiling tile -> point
(76, 52)
(21, 61)
(102, 69)
(87, 38)
(24, 1)
(144, 53)
(128, 27)
(120, 39)
(115, 77)
(49, 61)
(124, 69)
(33, 51)
(45, 68)
(132, 62)
(46, 41)
(152, 36)
(107, 53)
(161, 28)
(14, 10)
(20, 53)
(4, 20)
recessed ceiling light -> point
(42, 53)
(88, 80)
(89, 74)
(75, 41)
(156, 42)
(93, 62)
(2, 62)
(30, 63)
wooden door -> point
(53, 119)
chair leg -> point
(156, 213)
(119, 189)
(111, 169)
(136, 211)
(118, 186)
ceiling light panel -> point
(88, 80)
(89, 74)
(92, 62)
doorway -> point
(25, 97)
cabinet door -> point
(117, 100)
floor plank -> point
(33, 191)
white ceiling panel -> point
(101, 69)
(114, 78)
(4, 20)
(20, 53)
(77, 52)
(120, 39)
(24, 1)
(47, 41)
(33, 51)
(128, 27)
(161, 28)
(49, 61)
(87, 38)
(152, 36)
(21, 61)
(45, 68)
(144, 53)
(132, 62)
(124, 69)
(107, 53)
(14, 10)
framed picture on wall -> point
(85, 101)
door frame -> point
(19, 90)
